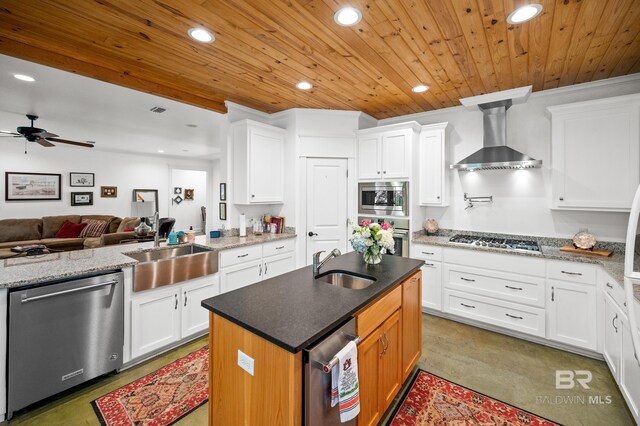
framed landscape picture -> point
(81, 179)
(22, 186)
(82, 198)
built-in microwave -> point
(383, 198)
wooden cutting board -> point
(572, 249)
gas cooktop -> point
(501, 243)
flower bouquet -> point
(372, 240)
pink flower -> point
(386, 226)
(365, 222)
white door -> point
(266, 150)
(613, 329)
(396, 155)
(326, 205)
(369, 157)
(278, 265)
(195, 318)
(571, 315)
(241, 275)
(431, 164)
(432, 285)
(155, 320)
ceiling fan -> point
(40, 136)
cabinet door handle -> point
(386, 345)
(513, 316)
(430, 265)
(553, 294)
(243, 255)
(384, 173)
(561, 198)
(426, 252)
(253, 196)
(613, 323)
(378, 172)
(381, 344)
(176, 296)
(260, 272)
(468, 306)
(265, 268)
(438, 197)
(610, 286)
(514, 288)
(279, 248)
(312, 234)
(467, 279)
(571, 273)
(185, 298)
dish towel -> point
(345, 389)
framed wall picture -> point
(82, 198)
(81, 179)
(189, 194)
(177, 190)
(22, 186)
(108, 191)
(223, 192)
(146, 195)
(223, 211)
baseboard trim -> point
(150, 355)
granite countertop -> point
(614, 264)
(20, 271)
(293, 310)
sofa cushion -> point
(20, 230)
(93, 242)
(52, 224)
(94, 228)
(104, 217)
(11, 244)
(128, 223)
(70, 229)
(114, 225)
(63, 243)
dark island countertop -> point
(293, 310)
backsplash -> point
(235, 232)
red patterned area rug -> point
(431, 400)
(160, 398)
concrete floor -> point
(509, 369)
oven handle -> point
(334, 361)
(26, 299)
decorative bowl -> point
(584, 240)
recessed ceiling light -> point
(304, 85)
(347, 16)
(24, 77)
(160, 151)
(524, 13)
(420, 88)
(201, 35)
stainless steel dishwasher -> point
(317, 377)
(63, 334)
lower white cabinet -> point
(571, 314)
(164, 316)
(432, 285)
(630, 373)
(240, 275)
(278, 265)
(612, 335)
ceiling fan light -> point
(201, 35)
(347, 16)
(524, 13)
(24, 77)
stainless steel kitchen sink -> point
(346, 280)
(172, 265)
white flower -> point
(386, 239)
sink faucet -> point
(317, 264)
(156, 237)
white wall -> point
(521, 197)
(188, 213)
(126, 171)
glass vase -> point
(372, 258)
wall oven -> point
(383, 198)
(400, 233)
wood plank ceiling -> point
(263, 48)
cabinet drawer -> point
(240, 255)
(502, 285)
(375, 314)
(571, 271)
(513, 316)
(616, 291)
(278, 247)
(424, 252)
(521, 265)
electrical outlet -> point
(245, 362)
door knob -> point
(312, 234)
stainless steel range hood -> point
(495, 154)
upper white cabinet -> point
(385, 152)
(258, 163)
(595, 153)
(434, 166)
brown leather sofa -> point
(17, 232)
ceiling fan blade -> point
(85, 144)
(44, 142)
(10, 136)
(5, 132)
(45, 135)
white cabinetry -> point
(613, 329)
(164, 316)
(258, 163)
(431, 275)
(571, 314)
(385, 152)
(434, 166)
(595, 154)
(240, 275)
(630, 373)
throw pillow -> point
(70, 229)
(128, 222)
(94, 228)
(128, 230)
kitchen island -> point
(272, 322)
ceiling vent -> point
(158, 110)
